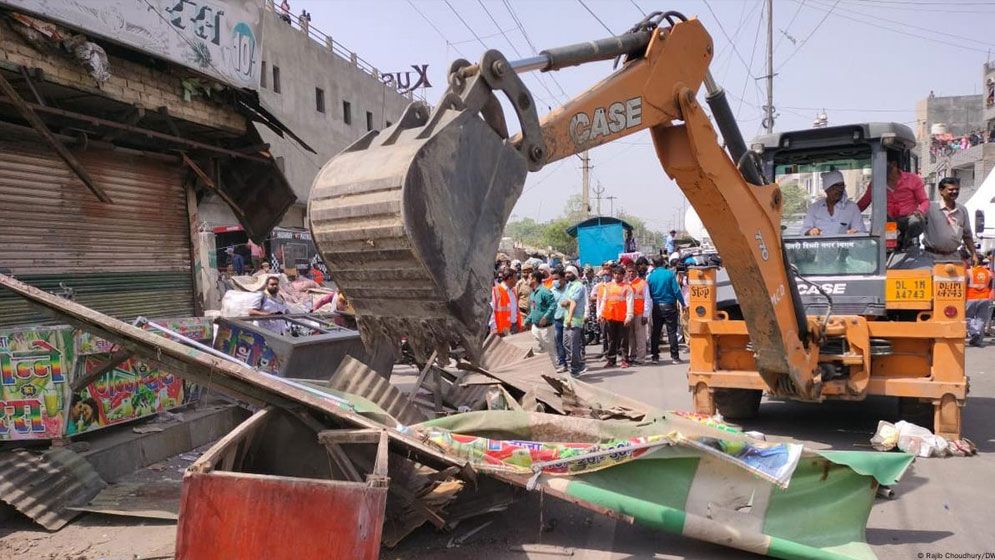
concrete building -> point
(327, 95)
(955, 117)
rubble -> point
(335, 457)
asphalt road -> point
(941, 505)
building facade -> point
(953, 137)
(111, 137)
(327, 95)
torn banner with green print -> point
(684, 474)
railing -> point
(327, 42)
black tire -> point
(738, 404)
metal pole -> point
(586, 183)
(769, 122)
(598, 191)
(611, 205)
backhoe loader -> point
(408, 219)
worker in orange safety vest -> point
(616, 310)
(641, 308)
(504, 302)
(979, 301)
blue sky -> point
(861, 60)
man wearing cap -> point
(523, 288)
(835, 214)
(575, 302)
(670, 244)
(947, 223)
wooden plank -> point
(241, 434)
(367, 435)
(112, 362)
(36, 123)
(379, 475)
(421, 376)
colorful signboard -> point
(131, 390)
(214, 37)
(39, 365)
(35, 366)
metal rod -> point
(540, 63)
(189, 341)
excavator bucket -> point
(408, 222)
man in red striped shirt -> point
(907, 201)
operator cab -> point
(848, 267)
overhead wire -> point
(749, 68)
(809, 36)
(784, 32)
(437, 30)
(910, 26)
(900, 32)
(595, 16)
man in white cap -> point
(835, 214)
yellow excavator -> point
(408, 219)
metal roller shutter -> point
(125, 259)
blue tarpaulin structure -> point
(599, 239)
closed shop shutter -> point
(124, 259)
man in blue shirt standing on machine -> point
(666, 294)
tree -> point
(555, 236)
(794, 199)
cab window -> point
(799, 177)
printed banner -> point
(218, 38)
(129, 391)
(35, 366)
(248, 346)
(520, 456)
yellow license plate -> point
(909, 289)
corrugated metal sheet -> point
(43, 485)
(498, 352)
(353, 376)
(128, 258)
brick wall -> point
(130, 83)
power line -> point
(909, 25)
(811, 33)
(595, 16)
(749, 69)
(784, 31)
(465, 24)
(731, 42)
(916, 35)
(537, 77)
(535, 51)
(437, 30)
(633, 2)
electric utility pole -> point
(598, 191)
(769, 108)
(611, 205)
(586, 182)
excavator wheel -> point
(738, 404)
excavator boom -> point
(408, 220)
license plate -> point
(950, 290)
(909, 289)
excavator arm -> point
(408, 220)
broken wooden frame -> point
(317, 409)
(235, 514)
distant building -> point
(954, 137)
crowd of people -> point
(948, 144)
(624, 305)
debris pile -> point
(356, 451)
